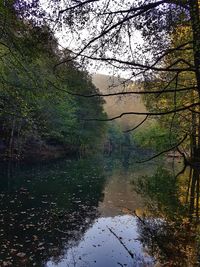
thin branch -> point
(122, 243)
(179, 47)
(147, 113)
(136, 65)
(134, 128)
(133, 9)
(141, 10)
(168, 84)
(168, 51)
(152, 232)
(80, 4)
(181, 171)
(164, 151)
(120, 93)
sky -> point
(72, 41)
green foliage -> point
(154, 136)
(116, 136)
(36, 100)
(115, 133)
(184, 122)
(163, 189)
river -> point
(101, 212)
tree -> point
(156, 21)
(31, 106)
(112, 42)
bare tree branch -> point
(121, 93)
(147, 113)
(122, 243)
(164, 151)
(137, 65)
(141, 10)
(80, 4)
(134, 128)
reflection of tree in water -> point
(170, 243)
(166, 229)
(192, 197)
(162, 190)
(46, 210)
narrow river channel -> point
(93, 212)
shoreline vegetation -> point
(39, 114)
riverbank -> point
(39, 151)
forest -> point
(99, 171)
(38, 108)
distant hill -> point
(116, 105)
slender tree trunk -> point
(195, 20)
(192, 194)
(195, 23)
(193, 136)
(10, 149)
(197, 199)
(19, 141)
(188, 187)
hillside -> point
(116, 105)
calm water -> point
(88, 213)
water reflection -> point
(100, 246)
(69, 213)
(119, 193)
(44, 208)
(112, 240)
(165, 226)
(75, 213)
(171, 243)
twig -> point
(164, 151)
(134, 128)
(147, 113)
(122, 243)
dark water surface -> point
(87, 213)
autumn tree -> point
(106, 32)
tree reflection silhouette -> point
(47, 209)
(165, 227)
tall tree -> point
(106, 31)
(156, 56)
(37, 102)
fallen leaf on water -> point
(7, 263)
(21, 254)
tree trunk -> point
(192, 195)
(195, 24)
(10, 148)
(195, 21)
